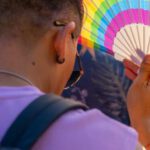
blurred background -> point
(104, 85)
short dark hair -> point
(32, 16)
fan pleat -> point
(121, 26)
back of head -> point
(29, 19)
(32, 41)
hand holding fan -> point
(118, 27)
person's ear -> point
(63, 36)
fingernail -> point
(125, 60)
(138, 71)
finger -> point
(131, 66)
(130, 74)
(144, 73)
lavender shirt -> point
(76, 130)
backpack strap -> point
(36, 119)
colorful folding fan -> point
(119, 27)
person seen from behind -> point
(38, 43)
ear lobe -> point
(61, 41)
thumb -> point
(144, 73)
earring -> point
(60, 60)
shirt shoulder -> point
(87, 130)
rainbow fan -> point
(118, 27)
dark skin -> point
(138, 99)
(39, 64)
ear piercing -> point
(60, 60)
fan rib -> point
(139, 14)
(97, 37)
(105, 18)
(132, 45)
(148, 48)
(132, 19)
(124, 23)
(98, 23)
(144, 40)
(120, 25)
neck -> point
(29, 64)
(6, 80)
(13, 64)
